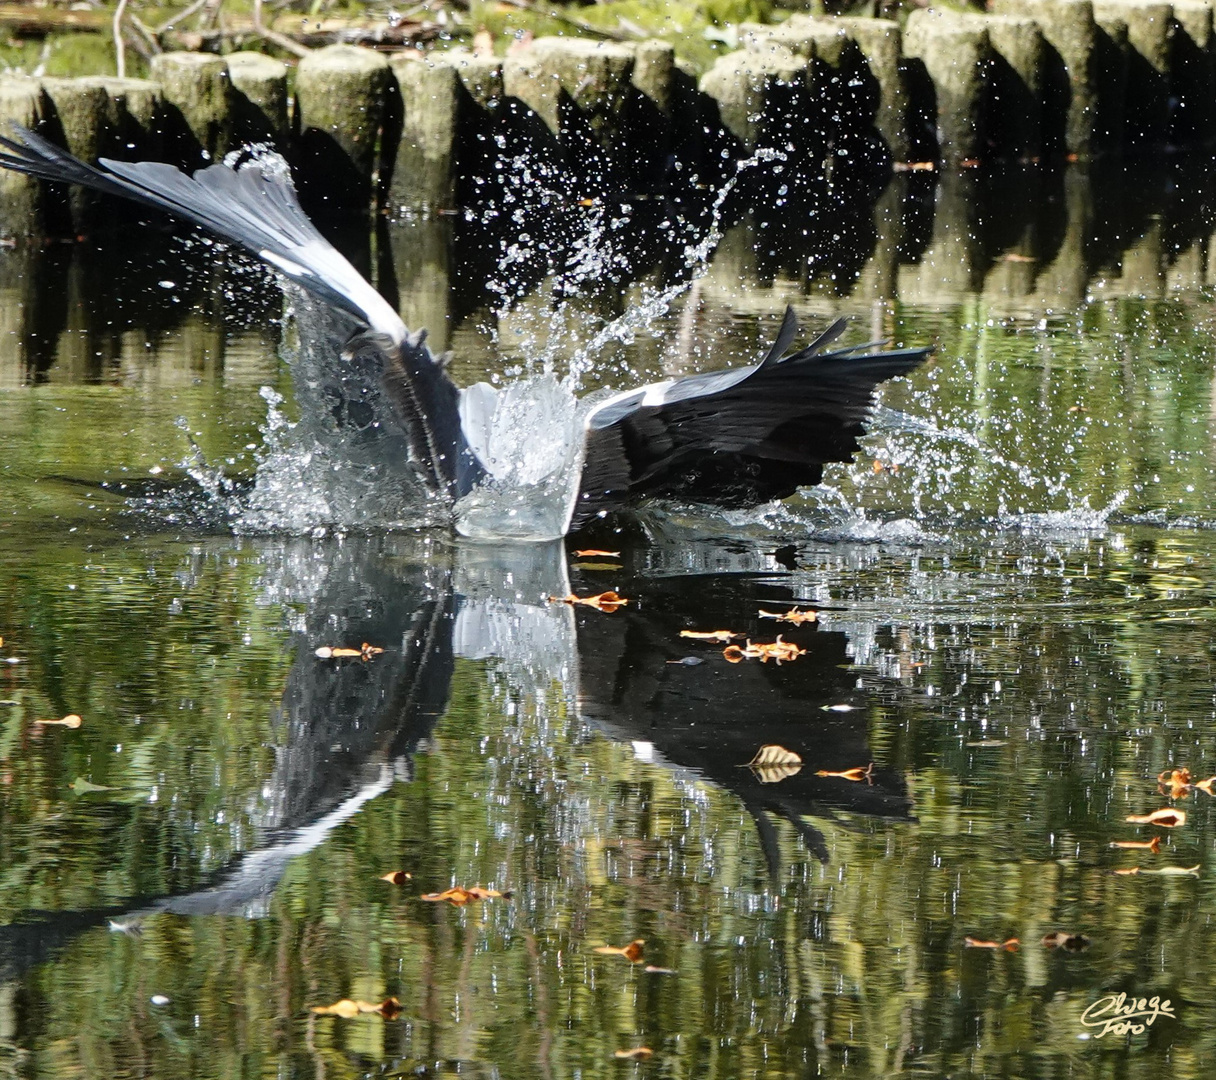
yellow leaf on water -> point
(637, 1053)
(69, 721)
(347, 1009)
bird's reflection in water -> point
(349, 729)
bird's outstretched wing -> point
(740, 437)
(254, 204)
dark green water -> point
(1019, 617)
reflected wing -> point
(254, 204)
(739, 437)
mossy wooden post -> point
(1076, 95)
(1193, 72)
(341, 94)
(955, 53)
(424, 170)
(881, 43)
(581, 91)
(21, 102)
(1017, 84)
(76, 119)
(1149, 46)
(754, 89)
(259, 97)
(135, 118)
(480, 125)
(198, 106)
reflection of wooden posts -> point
(341, 93)
(422, 263)
(1193, 72)
(1064, 282)
(953, 263)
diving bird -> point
(733, 438)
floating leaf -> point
(1061, 939)
(1164, 871)
(1205, 785)
(710, 635)
(587, 553)
(366, 652)
(1175, 783)
(773, 764)
(397, 877)
(885, 466)
(688, 661)
(777, 650)
(605, 601)
(631, 952)
(794, 615)
(637, 1053)
(1008, 945)
(988, 743)
(854, 774)
(650, 969)
(69, 721)
(1167, 818)
(460, 896)
(82, 786)
(1153, 845)
(839, 708)
(347, 1009)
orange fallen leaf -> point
(460, 896)
(586, 553)
(69, 721)
(388, 1008)
(1174, 783)
(794, 615)
(605, 601)
(1205, 785)
(914, 166)
(1061, 939)
(1008, 945)
(885, 467)
(1167, 818)
(637, 1053)
(777, 650)
(631, 952)
(710, 635)
(1153, 845)
(397, 877)
(855, 774)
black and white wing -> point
(740, 437)
(255, 205)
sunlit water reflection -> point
(1014, 584)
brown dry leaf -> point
(777, 650)
(1062, 939)
(914, 166)
(483, 43)
(1167, 818)
(69, 721)
(388, 1008)
(605, 601)
(857, 773)
(637, 1053)
(459, 896)
(773, 764)
(795, 615)
(1205, 785)
(397, 877)
(1175, 784)
(710, 635)
(885, 467)
(1008, 945)
(332, 652)
(1129, 870)
(631, 952)
(1153, 845)
(587, 553)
